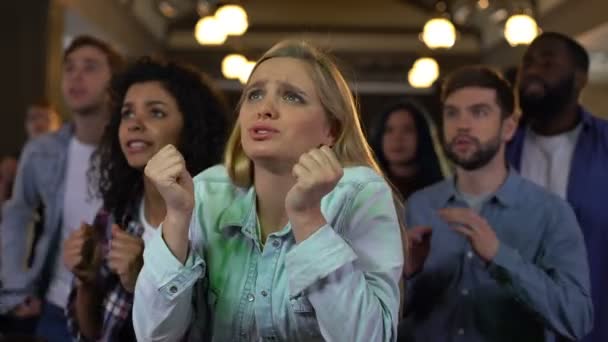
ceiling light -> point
(232, 65)
(439, 33)
(520, 29)
(233, 19)
(246, 72)
(483, 4)
(424, 73)
(209, 32)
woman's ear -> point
(332, 134)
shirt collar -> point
(241, 214)
(506, 193)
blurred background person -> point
(52, 173)
(563, 147)
(404, 146)
(41, 118)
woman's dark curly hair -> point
(204, 113)
(429, 169)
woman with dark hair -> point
(405, 149)
(155, 104)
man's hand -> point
(468, 223)
(31, 307)
(418, 248)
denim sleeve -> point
(556, 287)
(162, 308)
(18, 213)
(352, 277)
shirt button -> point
(276, 243)
(460, 331)
(264, 293)
(250, 297)
(470, 255)
(465, 292)
(173, 289)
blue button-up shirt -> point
(536, 288)
(587, 193)
(340, 284)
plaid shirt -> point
(117, 302)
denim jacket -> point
(340, 284)
(40, 179)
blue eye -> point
(255, 94)
(292, 97)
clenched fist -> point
(126, 256)
(317, 173)
(167, 171)
(82, 253)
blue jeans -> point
(52, 324)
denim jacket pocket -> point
(305, 316)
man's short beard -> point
(480, 158)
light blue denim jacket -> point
(340, 284)
(40, 179)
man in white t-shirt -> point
(564, 148)
(53, 172)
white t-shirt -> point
(475, 202)
(149, 230)
(546, 159)
(78, 206)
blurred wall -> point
(595, 99)
(27, 27)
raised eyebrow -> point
(255, 84)
(289, 86)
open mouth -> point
(137, 145)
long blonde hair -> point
(351, 147)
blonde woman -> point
(295, 238)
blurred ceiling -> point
(377, 41)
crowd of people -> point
(147, 217)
